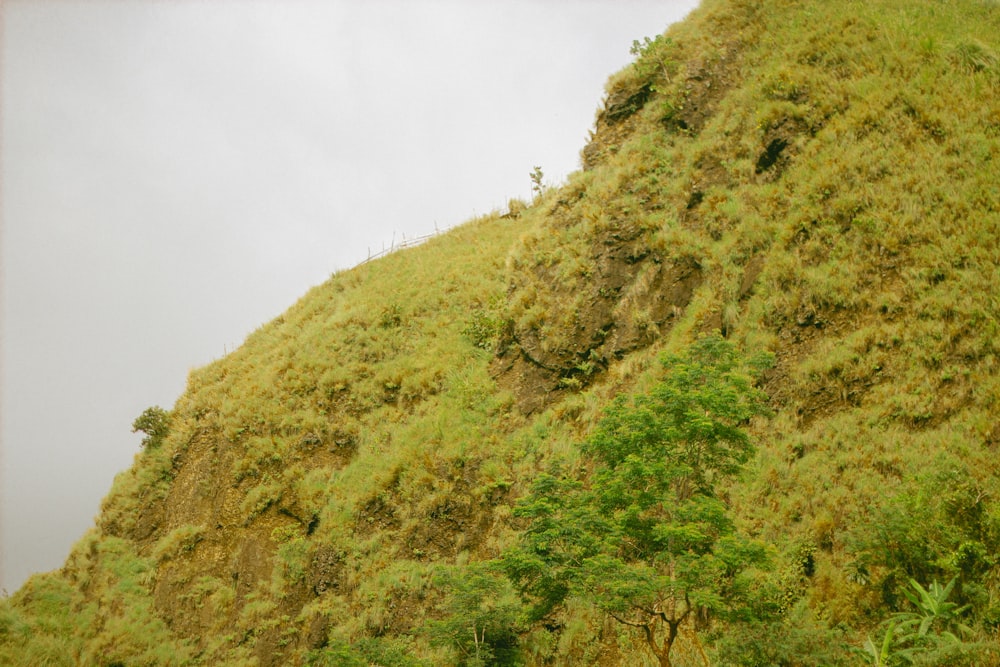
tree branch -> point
(623, 621)
(647, 629)
(687, 608)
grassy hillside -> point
(815, 180)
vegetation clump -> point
(154, 422)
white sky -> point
(173, 174)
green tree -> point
(644, 536)
(367, 651)
(652, 57)
(155, 423)
(482, 613)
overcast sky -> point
(173, 174)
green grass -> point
(820, 180)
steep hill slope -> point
(817, 180)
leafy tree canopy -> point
(644, 537)
(155, 423)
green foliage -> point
(933, 612)
(691, 423)
(537, 184)
(796, 637)
(481, 616)
(180, 541)
(336, 654)
(646, 539)
(37, 624)
(365, 653)
(974, 56)
(293, 560)
(488, 324)
(944, 525)
(879, 651)
(652, 57)
(117, 622)
(932, 634)
(389, 653)
(391, 316)
(155, 423)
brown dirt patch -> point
(630, 300)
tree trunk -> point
(699, 647)
(668, 642)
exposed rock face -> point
(633, 298)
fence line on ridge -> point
(393, 246)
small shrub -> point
(293, 559)
(481, 615)
(536, 181)
(515, 207)
(975, 57)
(487, 326)
(155, 423)
(652, 57)
(259, 498)
(180, 540)
(391, 317)
(336, 654)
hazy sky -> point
(173, 174)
